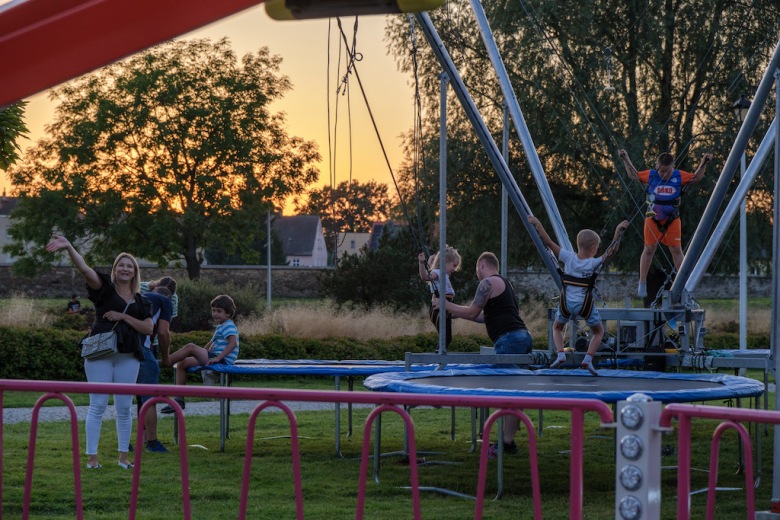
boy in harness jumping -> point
(579, 278)
(664, 188)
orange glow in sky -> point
(303, 46)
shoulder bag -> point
(101, 345)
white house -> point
(304, 242)
(6, 205)
(351, 243)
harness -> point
(674, 202)
(573, 281)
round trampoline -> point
(610, 386)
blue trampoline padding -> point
(287, 362)
(341, 369)
(579, 384)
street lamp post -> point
(740, 110)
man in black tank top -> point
(495, 305)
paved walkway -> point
(61, 413)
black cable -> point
(382, 146)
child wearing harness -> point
(664, 187)
(432, 276)
(578, 278)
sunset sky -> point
(304, 47)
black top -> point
(107, 299)
(501, 313)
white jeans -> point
(116, 368)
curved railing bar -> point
(2, 408)
(684, 413)
(715, 447)
(185, 476)
(415, 483)
(385, 402)
(250, 438)
(483, 458)
(74, 435)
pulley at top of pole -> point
(310, 9)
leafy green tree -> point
(253, 253)
(162, 154)
(676, 66)
(351, 206)
(12, 128)
(385, 277)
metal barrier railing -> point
(384, 401)
(684, 413)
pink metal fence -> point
(730, 416)
(272, 398)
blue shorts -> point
(148, 373)
(594, 319)
(517, 342)
(212, 355)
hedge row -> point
(50, 354)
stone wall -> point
(61, 282)
(301, 282)
(617, 286)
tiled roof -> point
(7, 204)
(298, 232)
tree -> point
(676, 65)
(350, 207)
(255, 252)
(385, 277)
(12, 128)
(162, 154)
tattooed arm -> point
(474, 311)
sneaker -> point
(642, 290)
(492, 451)
(589, 368)
(511, 448)
(169, 408)
(157, 448)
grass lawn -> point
(330, 485)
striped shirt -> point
(220, 340)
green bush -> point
(74, 321)
(50, 354)
(728, 340)
(195, 302)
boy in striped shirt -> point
(223, 347)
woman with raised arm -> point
(118, 306)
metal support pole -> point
(444, 79)
(504, 195)
(775, 339)
(520, 127)
(727, 174)
(515, 195)
(268, 269)
(731, 210)
(743, 272)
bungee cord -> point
(417, 243)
